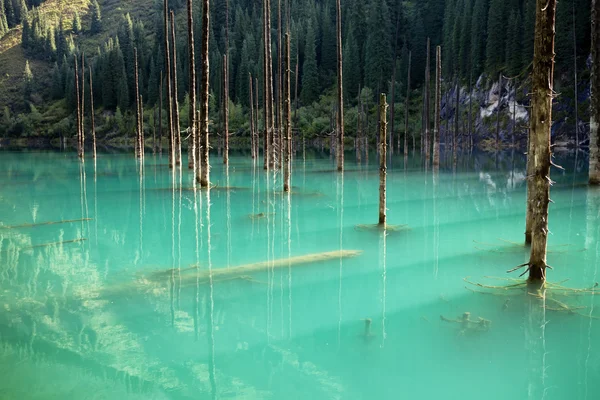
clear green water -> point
(122, 316)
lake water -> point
(130, 298)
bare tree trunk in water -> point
(595, 97)
(92, 115)
(176, 123)
(406, 107)
(575, 82)
(456, 122)
(169, 88)
(470, 111)
(267, 148)
(204, 179)
(138, 119)
(393, 91)
(288, 116)
(280, 80)
(251, 117)
(79, 151)
(540, 126)
(256, 136)
(359, 129)
(141, 143)
(340, 93)
(426, 116)
(498, 112)
(192, 143)
(82, 120)
(382, 157)
(226, 109)
(160, 108)
(438, 105)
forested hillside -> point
(477, 37)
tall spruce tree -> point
(310, 74)
(496, 36)
(378, 54)
(96, 12)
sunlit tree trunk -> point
(288, 116)
(192, 88)
(92, 115)
(177, 126)
(204, 179)
(226, 109)
(426, 95)
(78, 108)
(138, 118)
(595, 100)
(81, 110)
(406, 108)
(168, 80)
(382, 158)
(438, 105)
(540, 126)
(340, 91)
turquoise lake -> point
(127, 295)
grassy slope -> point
(12, 56)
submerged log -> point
(66, 221)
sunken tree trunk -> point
(438, 105)
(92, 115)
(382, 157)
(176, 125)
(540, 125)
(340, 91)
(426, 103)
(226, 109)
(406, 109)
(169, 89)
(288, 116)
(79, 150)
(204, 178)
(192, 88)
(595, 97)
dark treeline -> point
(477, 37)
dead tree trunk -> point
(273, 158)
(296, 92)
(280, 83)
(382, 158)
(226, 109)
(138, 119)
(176, 123)
(160, 108)
(406, 108)
(256, 136)
(141, 142)
(575, 82)
(470, 125)
(426, 95)
(82, 148)
(540, 126)
(92, 115)
(340, 92)
(169, 89)
(79, 151)
(251, 118)
(393, 89)
(192, 143)
(438, 105)
(498, 112)
(204, 173)
(359, 129)
(595, 97)
(456, 123)
(266, 89)
(288, 116)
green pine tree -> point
(514, 43)
(58, 89)
(478, 36)
(351, 66)
(378, 55)
(76, 23)
(3, 20)
(96, 24)
(310, 74)
(496, 36)
(27, 81)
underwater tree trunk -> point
(169, 89)
(92, 115)
(226, 110)
(382, 157)
(176, 123)
(406, 108)
(192, 143)
(78, 108)
(438, 105)
(288, 116)
(541, 123)
(204, 179)
(340, 91)
(138, 118)
(426, 100)
(595, 96)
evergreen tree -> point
(11, 18)
(378, 55)
(96, 24)
(528, 31)
(496, 38)
(21, 11)
(58, 89)
(514, 43)
(3, 20)
(310, 74)
(25, 34)
(76, 23)
(123, 91)
(27, 81)
(478, 36)
(465, 39)
(448, 38)
(327, 48)
(352, 66)
(418, 47)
